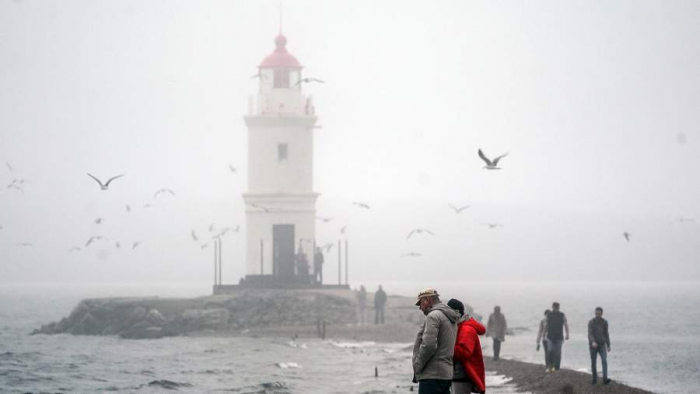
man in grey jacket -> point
(435, 342)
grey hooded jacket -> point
(435, 344)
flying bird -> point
(232, 168)
(626, 235)
(118, 245)
(211, 227)
(93, 239)
(105, 186)
(324, 220)
(74, 249)
(226, 230)
(128, 208)
(259, 75)
(99, 220)
(419, 231)
(194, 236)
(16, 187)
(9, 167)
(308, 80)
(266, 209)
(492, 225)
(327, 247)
(491, 164)
(137, 243)
(163, 191)
(411, 254)
(460, 209)
(361, 204)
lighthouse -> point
(280, 200)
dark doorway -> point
(283, 250)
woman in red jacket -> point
(469, 375)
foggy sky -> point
(597, 103)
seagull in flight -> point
(411, 254)
(493, 225)
(128, 208)
(93, 239)
(324, 220)
(194, 236)
(327, 247)
(74, 249)
(16, 187)
(136, 244)
(211, 227)
(361, 205)
(419, 231)
(491, 164)
(105, 186)
(9, 167)
(163, 191)
(626, 235)
(118, 245)
(259, 75)
(227, 229)
(99, 220)
(232, 168)
(260, 207)
(460, 209)
(308, 80)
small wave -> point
(288, 365)
(168, 384)
(353, 345)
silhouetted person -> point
(599, 343)
(318, 265)
(542, 338)
(496, 329)
(379, 302)
(302, 263)
(362, 303)
(556, 324)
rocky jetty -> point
(145, 318)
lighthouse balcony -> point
(281, 104)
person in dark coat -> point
(556, 324)
(496, 328)
(318, 265)
(379, 302)
(599, 344)
(542, 338)
(469, 373)
(362, 304)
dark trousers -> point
(434, 386)
(603, 351)
(555, 353)
(379, 315)
(545, 347)
(496, 348)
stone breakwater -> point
(147, 318)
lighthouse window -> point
(281, 79)
(281, 152)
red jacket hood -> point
(478, 327)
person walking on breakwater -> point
(556, 324)
(362, 304)
(318, 265)
(379, 302)
(434, 347)
(542, 338)
(469, 373)
(496, 328)
(599, 343)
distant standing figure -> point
(496, 329)
(362, 303)
(379, 302)
(556, 324)
(469, 373)
(542, 338)
(302, 263)
(318, 265)
(599, 343)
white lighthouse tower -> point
(280, 202)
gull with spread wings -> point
(419, 231)
(491, 164)
(105, 186)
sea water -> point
(653, 329)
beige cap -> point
(427, 292)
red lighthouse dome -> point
(280, 58)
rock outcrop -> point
(148, 318)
